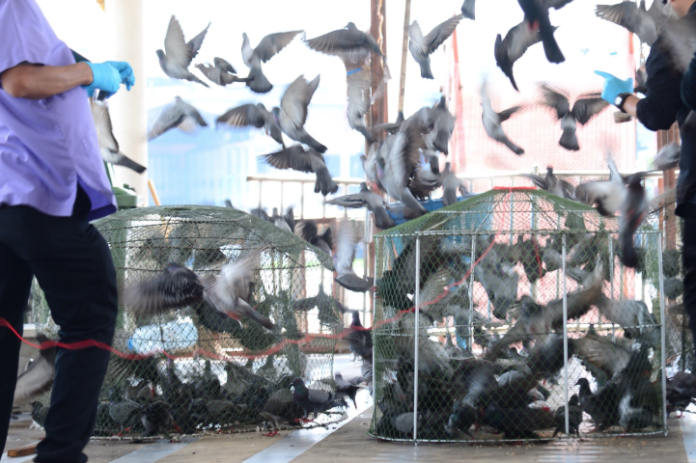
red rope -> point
(273, 350)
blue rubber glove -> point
(613, 86)
(125, 71)
(105, 77)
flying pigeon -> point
(584, 109)
(553, 184)
(308, 161)
(646, 24)
(345, 252)
(516, 42)
(221, 73)
(253, 115)
(267, 48)
(451, 185)
(359, 339)
(308, 231)
(179, 53)
(181, 115)
(422, 47)
(110, 150)
(38, 378)
(314, 400)
(634, 210)
(292, 113)
(372, 201)
(469, 9)
(668, 157)
(536, 14)
(492, 122)
(606, 195)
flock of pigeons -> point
(503, 390)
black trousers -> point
(73, 265)
(689, 264)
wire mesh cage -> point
(508, 316)
(205, 368)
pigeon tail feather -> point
(569, 140)
(258, 83)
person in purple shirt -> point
(52, 183)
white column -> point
(128, 111)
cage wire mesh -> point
(508, 316)
(210, 370)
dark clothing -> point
(689, 260)
(660, 108)
(73, 265)
(688, 86)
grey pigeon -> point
(451, 185)
(267, 48)
(421, 47)
(516, 42)
(110, 150)
(349, 43)
(668, 157)
(292, 113)
(285, 221)
(253, 115)
(553, 184)
(157, 419)
(308, 161)
(492, 122)
(221, 73)
(37, 379)
(392, 127)
(424, 180)
(178, 54)
(346, 241)
(646, 24)
(634, 210)
(606, 195)
(359, 339)
(584, 109)
(372, 201)
(469, 9)
(38, 413)
(314, 400)
(181, 115)
(124, 413)
(309, 232)
(348, 388)
(536, 14)
(637, 322)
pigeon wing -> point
(441, 33)
(296, 99)
(345, 248)
(175, 44)
(627, 14)
(519, 39)
(194, 45)
(102, 122)
(295, 158)
(555, 100)
(273, 43)
(168, 119)
(585, 109)
(223, 65)
(38, 378)
(678, 39)
(244, 115)
(602, 353)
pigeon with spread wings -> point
(221, 72)
(253, 115)
(267, 48)
(180, 115)
(178, 54)
(308, 161)
(110, 150)
(421, 47)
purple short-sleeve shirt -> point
(49, 146)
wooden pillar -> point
(669, 181)
(378, 30)
(404, 56)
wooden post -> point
(378, 30)
(669, 178)
(404, 55)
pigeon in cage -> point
(314, 400)
(125, 413)
(279, 411)
(681, 391)
(646, 24)
(347, 240)
(178, 54)
(38, 413)
(37, 379)
(108, 144)
(359, 339)
(398, 425)
(584, 109)
(574, 417)
(157, 419)
(178, 287)
(372, 201)
(348, 388)
(511, 48)
(266, 49)
(216, 321)
(500, 280)
(221, 72)
(492, 121)
(432, 356)
(601, 356)
(519, 423)
(536, 14)
(330, 310)
(421, 47)
(639, 324)
(530, 258)
(553, 184)
(253, 115)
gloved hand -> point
(613, 86)
(125, 71)
(105, 77)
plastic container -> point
(172, 337)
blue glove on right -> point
(613, 86)
(105, 77)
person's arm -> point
(37, 82)
(688, 86)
